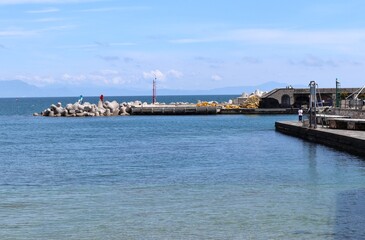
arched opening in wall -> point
(302, 100)
(269, 103)
(285, 101)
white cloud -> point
(162, 76)
(103, 77)
(216, 77)
(46, 10)
(154, 73)
(36, 79)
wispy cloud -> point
(44, 20)
(97, 44)
(46, 10)
(22, 33)
(128, 59)
(172, 73)
(101, 78)
(14, 2)
(216, 77)
(313, 61)
(14, 33)
(102, 44)
(209, 60)
(112, 9)
(317, 62)
(106, 44)
(251, 60)
(36, 79)
(282, 36)
(109, 58)
(154, 74)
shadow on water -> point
(350, 215)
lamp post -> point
(338, 95)
(312, 104)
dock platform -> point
(351, 141)
(173, 110)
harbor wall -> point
(352, 113)
(340, 140)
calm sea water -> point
(171, 177)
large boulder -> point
(116, 112)
(46, 112)
(81, 114)
(87, 108)
(70, 107)
(107, 113)
(72, 111)
(111, 105)
(123, 110)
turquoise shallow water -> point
(171, 177)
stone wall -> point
(349, 112)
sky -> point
(190, 44)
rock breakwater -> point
(89, 110)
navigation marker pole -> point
(154, 91)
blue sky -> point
(187, 44)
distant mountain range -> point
(17, 88)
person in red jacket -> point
(102, 97)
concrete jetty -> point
(173, 110)
(351, 141)
(113, 108)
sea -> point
(170, 177)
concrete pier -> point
(260, 111)
(345, 140)
(172, 110)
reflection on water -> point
(350, 215)
(312, 160)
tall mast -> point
(154, 91)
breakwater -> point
(344, 140)
(114, 108)
(80, 109)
